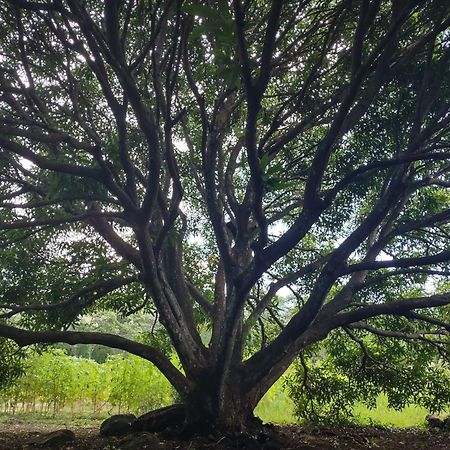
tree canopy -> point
(198, 160)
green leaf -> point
(202, 11)
(263, 162)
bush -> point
(327, 381)
(52, 381)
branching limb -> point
(424, 318)
(25, 337)
(204, 303)
(400, 307)
(418, 335)
(84, 217)
(264, 302)
(441, 257)
(94, 291)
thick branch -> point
(395, 308)
(25, 337)
(441, 257)
(44, 163)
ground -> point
(15, 434)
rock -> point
(52, 439)
(159, 419)
(447, 423)
(141, 440)
(434, 421)
(117, 425)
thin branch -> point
(99, 290)
(416, 335)
(89, 215)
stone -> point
(52, 439)
(141, 440)
(117, 425)
(447, 423)
(434, 421)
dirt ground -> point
(16, 435)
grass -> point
(410, 416)
(277, 407)
(60, 420)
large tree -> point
(193, 158)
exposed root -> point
(174, 423)
(172, 416)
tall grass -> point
(277, 407)
(410, 416)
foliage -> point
(136, 386)
(107, 321)
(53, 381)
(11, 362)
(329, 380)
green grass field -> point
(411, 416)
(277, 407)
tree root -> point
(172, 416)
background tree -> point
(195, 158)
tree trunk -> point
(204, 411)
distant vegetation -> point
(334, 382)
(55, 382)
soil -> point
(16, 435)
